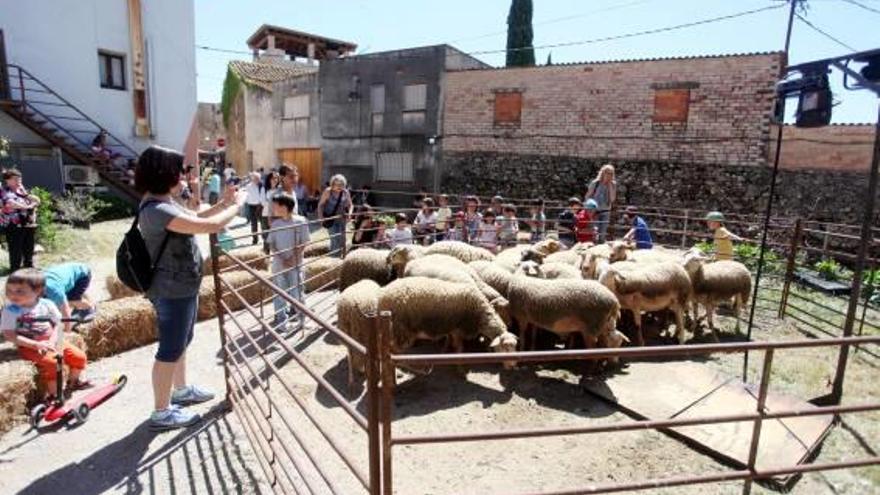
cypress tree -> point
(519, 34)
(550, 58)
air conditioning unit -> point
(80, 175)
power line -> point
(637, 33)
(823, 33)
(858, 4)
(556, 20)
(570, 43)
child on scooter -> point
(22, 322)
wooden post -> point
(684, 230)
(388, 378)
(756, 428)
(221, 320)
(790, 266)
(373, 407)
(825, 242)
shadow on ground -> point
(212, 461)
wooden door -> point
(308, 161)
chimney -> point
(311, 53)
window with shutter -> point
(508, 108)
(111, 70)
(415, 98)
(671, 105)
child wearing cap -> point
(426, 222)
(723, 237)
(401, 233)
(566, 222)
(639, 231)
(537, 221)
(585, 228)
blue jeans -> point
(291, 281)
(176, 318)
(602, 224)
(337, 230)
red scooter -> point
(59, 410)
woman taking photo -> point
(334, 208)
(20, 219)
(603, 190)
(178, 274)
(270, 183)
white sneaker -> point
(190, 394)
(171, 418)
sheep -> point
(491, 273)
(555, 270)
(656, 255)
(425, 308)
(464, 252)
(444, 267)
(353, 308)
(564, 307)
(399, 256)
(650, 287)
(510, 258)
(365, 263)
(547, 246)
(714, 282)
(570, 256)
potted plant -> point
(78, 209)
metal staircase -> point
(35, 105)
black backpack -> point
(134, 266)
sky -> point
(478, 26)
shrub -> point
(705, 247)
(828, 269)
(112, 208)
(78, 207)
(749, 254)
(47, 229)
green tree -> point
(520, 52)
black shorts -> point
(80, 287)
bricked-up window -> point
(508, 108)
(415, 97)
(671, 105)
(295, 123)
(111, 70)
(377, 107)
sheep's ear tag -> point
(495, 342)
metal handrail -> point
(48, 90)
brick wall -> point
(607, 110)
(845, 148)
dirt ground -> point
(487, 398)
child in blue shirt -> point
(639, 231)
(66, 286)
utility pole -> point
(769, 211)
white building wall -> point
(58, 42)
(259, 130)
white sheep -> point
(511, 257)
(554, 270)
(493, 274)
(658, 254)
(400, 255)
(354, 307)
(445, 267)
(463, 251)
(365, 263)
(565, 307)
(424, 308)
(648, 288)
(714, 282)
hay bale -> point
(253, 256)
(251, 293)
(117, 289)
(322, 273)
(120, 325)
(16, 389)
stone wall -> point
(814, 195)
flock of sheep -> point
(454, 291)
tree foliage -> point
(520, 52)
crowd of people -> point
(39, 303)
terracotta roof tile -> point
(264, 73)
